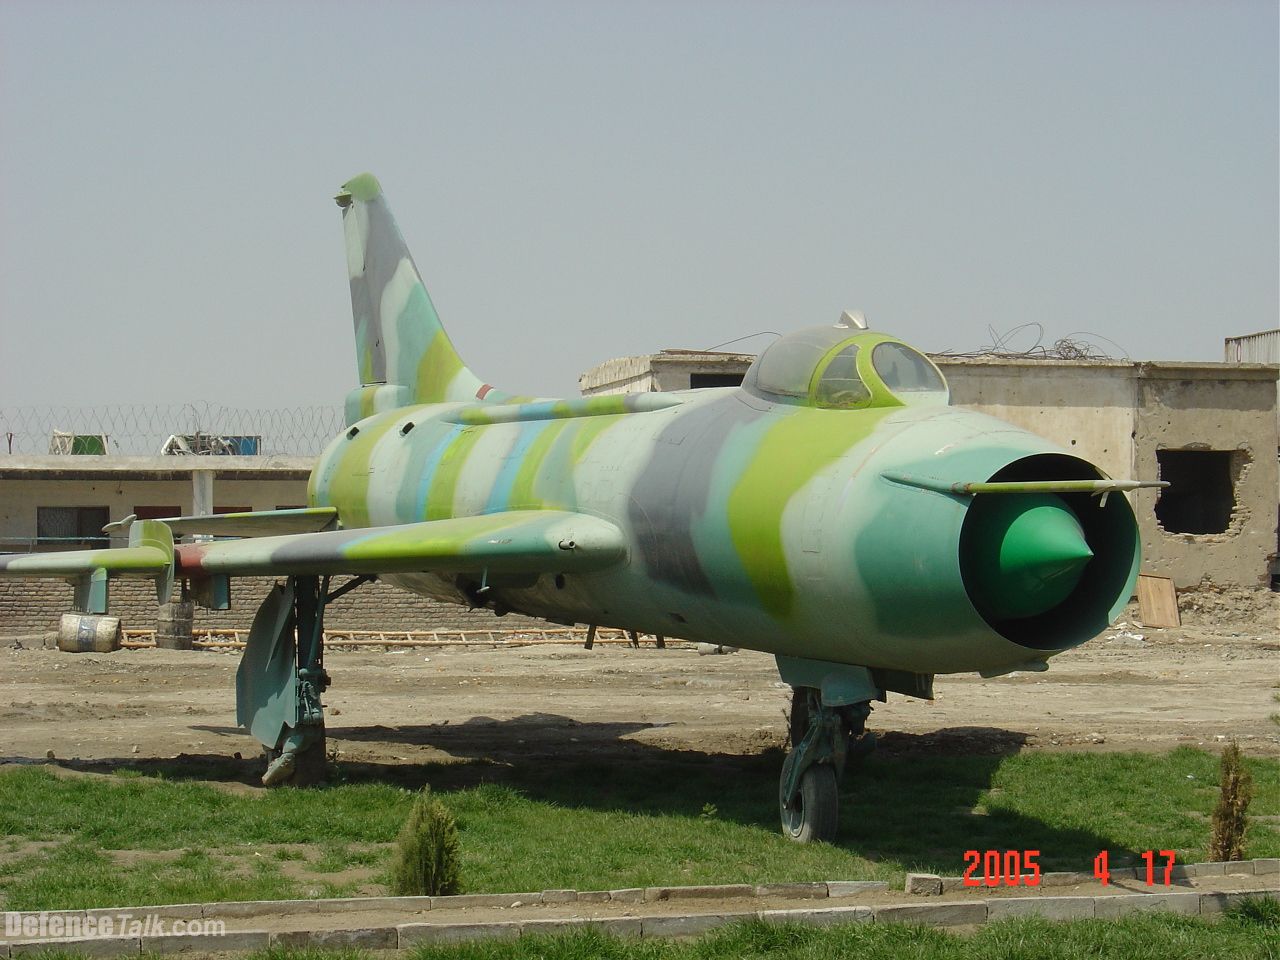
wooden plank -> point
(1158, 601)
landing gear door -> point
(267, 680)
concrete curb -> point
(678, 925)
(947, 913)
(240, 909)
(84, 946)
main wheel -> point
(313, 763)
(814, 813)
(310, 764)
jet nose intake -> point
(1026, 555)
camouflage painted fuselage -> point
(752, 523)
(773, 516)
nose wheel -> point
(812, 813)
(821, 739)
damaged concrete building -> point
(1209, 429)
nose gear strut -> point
(824, 738)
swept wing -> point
(520, 541)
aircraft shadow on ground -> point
(916, 801)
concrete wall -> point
(35, 606)
(1186, 406)
(1088, 409)
(674, 372)
(667, 371)
(623, 375)
(20, 498)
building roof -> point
(71, 467)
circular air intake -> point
(1048, 570)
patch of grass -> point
(604, 826)
(1135, 799)
(79, 875)
(333, 859)
(368, 857)
(1262, 911)
(337, 857)
(1141, 937)
(306, 953)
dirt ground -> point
(1132, 688)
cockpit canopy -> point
(843, 368)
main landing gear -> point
(282, 677)
(823, 740)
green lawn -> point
(131, 839)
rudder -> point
(403, 354)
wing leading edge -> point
(520, 541)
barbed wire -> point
(150, 430)
(1077, 345)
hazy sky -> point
(581, 181)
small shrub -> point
(1229, 815)
(425, 861)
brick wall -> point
(35, 606)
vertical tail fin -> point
(403, 352)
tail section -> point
(403, 353)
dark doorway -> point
(155, 513)
(1201, 491)
(697, 380)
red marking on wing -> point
(480, 394)
(187, 557)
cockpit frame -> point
(832, 383)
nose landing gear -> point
(823, 740)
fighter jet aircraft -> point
(833, 510)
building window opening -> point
(61, 528)
(157, 513)
(1200, 497)
(698, 380)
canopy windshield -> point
(843, 368)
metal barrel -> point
(87, 633)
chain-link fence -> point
(181, 429)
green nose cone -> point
(1026, 555)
